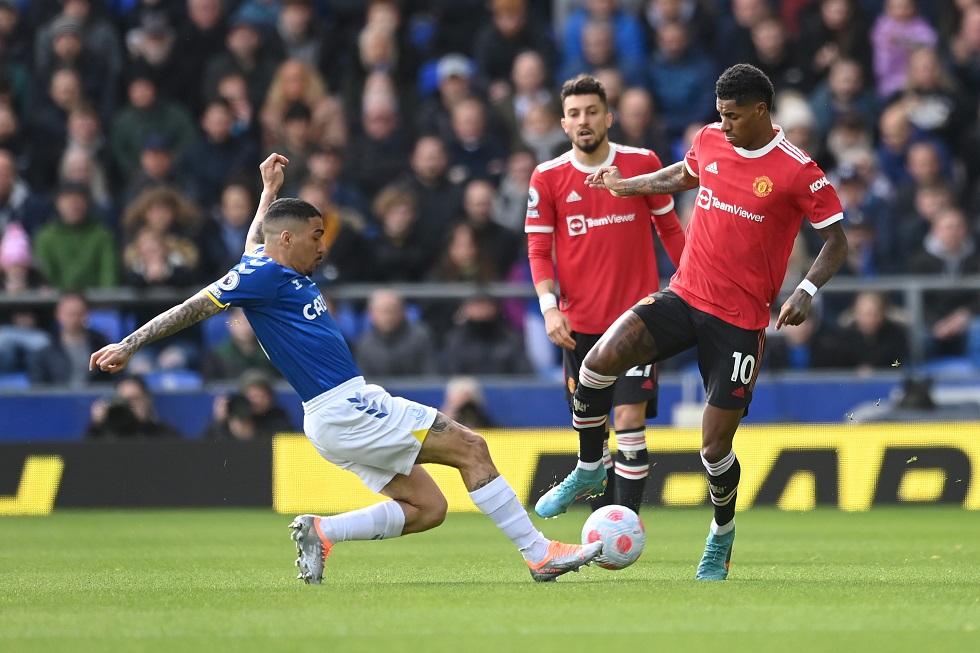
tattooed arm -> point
(114, 358)
(831, 256)
(272, 178)
(666, 181)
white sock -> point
(722, 530)
(590, 467)
(381, 521)
(498, 501)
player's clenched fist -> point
(111, 358)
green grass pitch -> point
(893, 579)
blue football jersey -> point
(290, 319)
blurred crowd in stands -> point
(131, 130)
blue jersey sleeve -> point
(252, 282)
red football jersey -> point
(604, 260)
(748, 212)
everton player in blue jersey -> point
(355, 425)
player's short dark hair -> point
(745, 83)
(290, 208)
(583, 85)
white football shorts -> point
(363, 429)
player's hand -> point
(607, 177)
(795, 310)
(111, 358)
(558, 328)
(272, 173)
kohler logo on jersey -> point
(314, 310)
(818, 184)
(707, 200)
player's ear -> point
(609, 119)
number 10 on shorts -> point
(743, 368)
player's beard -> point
(589, 148)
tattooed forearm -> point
(170, 322)
(831, 255)
(671, 179)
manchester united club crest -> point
(571, 385)
(646, 301)
(762, 186)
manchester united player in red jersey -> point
(604, 262)
(755, 189)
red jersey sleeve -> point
(816, 198)
(691, 158)
(539, 224)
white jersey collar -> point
(581, 167)
(764, 150)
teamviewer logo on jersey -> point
(576, 225)
(704, 197)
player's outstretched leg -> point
(563, 558)
(313, 548)
(590, 414)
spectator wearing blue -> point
(262, 13)
(598, 51)
(682, 79)
(229, 222)
(844, 92)
(476, 150)
(733, 29)
(454, 83)
(216, 156)
(629, 42)
(144, 116)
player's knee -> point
(433, 512)
(476, 446)
(715, 450)
(599, 360)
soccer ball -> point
(622, 533)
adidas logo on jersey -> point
(712, 167)
(573, 197)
